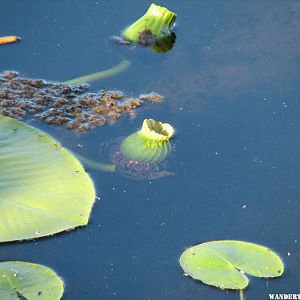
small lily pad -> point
(223, 263)
(43, 188)
(23, 280)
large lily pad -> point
(22, 280)
(223, 263)
(43, 188)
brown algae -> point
(61, 104)
(152, 97)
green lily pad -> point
(43, 188)
(22, 280)
(223, 263)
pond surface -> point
(231, 84)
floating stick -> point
(8, 39)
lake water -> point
(231, 84)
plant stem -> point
(242, 296)
(95, 165)
(119, 68)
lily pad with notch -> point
(223, 263)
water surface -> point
(232, 92)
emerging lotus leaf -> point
(151, 144)
(156, 131)
(156, 24)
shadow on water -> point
(231, 86)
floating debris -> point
(61, 104)
(8, 39)
(152, 97)
(120, 41)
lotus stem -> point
(119, 68)
(96, 165)
(242, 296)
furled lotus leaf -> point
(158, 21)
(156, 131)
(43, 188)
(151, 144)
(22, 280)
(223, 263)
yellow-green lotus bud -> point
(150, 144)
(157, 23)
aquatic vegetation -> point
(121, 67)
(156, 132)
(150, 144)
(152, 97)
(156, 24)
(223, 263)
(43, 188)
(153, 29)
(23, 280)
(62, 104)
(164, 44)
(138, 156)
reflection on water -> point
(231, 83)
(254, 46)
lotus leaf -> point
(223, 263)
(158, 21)
(43, 188)
(150, 144)
(22, 280)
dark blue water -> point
(232, 92)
